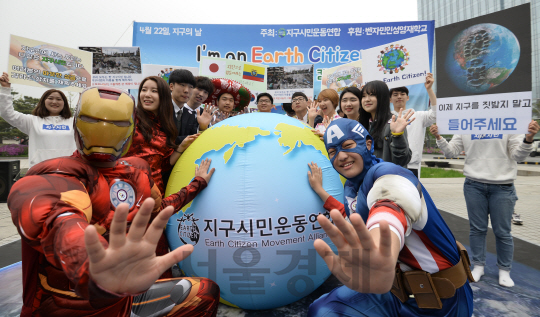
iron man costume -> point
(57, 199)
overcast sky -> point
(74, 23)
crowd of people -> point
(103, 170)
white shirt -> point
(49, 137)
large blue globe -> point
(482, 57)
(253, 227)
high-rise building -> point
(446, 12)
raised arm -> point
(432, 112)
(19, 120)
(178, 200)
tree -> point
(23, 104)
(536, 109)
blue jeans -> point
(497, 202)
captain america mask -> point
(349, 136)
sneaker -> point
(516, 219)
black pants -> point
(414, 171)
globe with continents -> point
(254, 226)
(393, 59)
(482, 57)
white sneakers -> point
(504, 276)
(505, 279)
(477, 272)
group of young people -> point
(73, 212)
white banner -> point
(400, 63)
(508, 113)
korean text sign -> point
(323, 45)
(39, 64)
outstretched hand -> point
(366, 260)
(187, 142)
(4, 80)
(202, 170)
(130, 265)
(312, 110)
(398, 125)
(205, 117)
(220, 116)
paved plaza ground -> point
(490, 298)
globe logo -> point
(482, 57)
(282, 32)
(188, 229)
(393, 59)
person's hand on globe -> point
(202, 170)
(315, 181)
(318, 134)
(187, 142)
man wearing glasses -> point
(300, 105)
(265, 102)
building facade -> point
(446, 12)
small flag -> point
(252, 72)
(213, 68)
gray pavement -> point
(447, 193)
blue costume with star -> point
(429, 244)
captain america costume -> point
(427, 243)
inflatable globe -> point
(482, 57)
(254, 226)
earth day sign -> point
(484, 74)
(323, 45)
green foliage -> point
(435, 172)
(536, 110)
(23, 104)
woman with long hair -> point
(388, 131)
(49, 127)
(349, 102)
(155, 129)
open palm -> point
(130, 265)
(360, 264)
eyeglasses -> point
(298, 99)
(264, 101)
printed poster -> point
(484, 72)
(252, 76)
(343, 76)
(118, 67)
(284, 81)
(40, 64)
(398, 63)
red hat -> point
(242, 96)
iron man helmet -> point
(104, 123)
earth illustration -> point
(254, 226)
(482, 57)
(393, 59)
